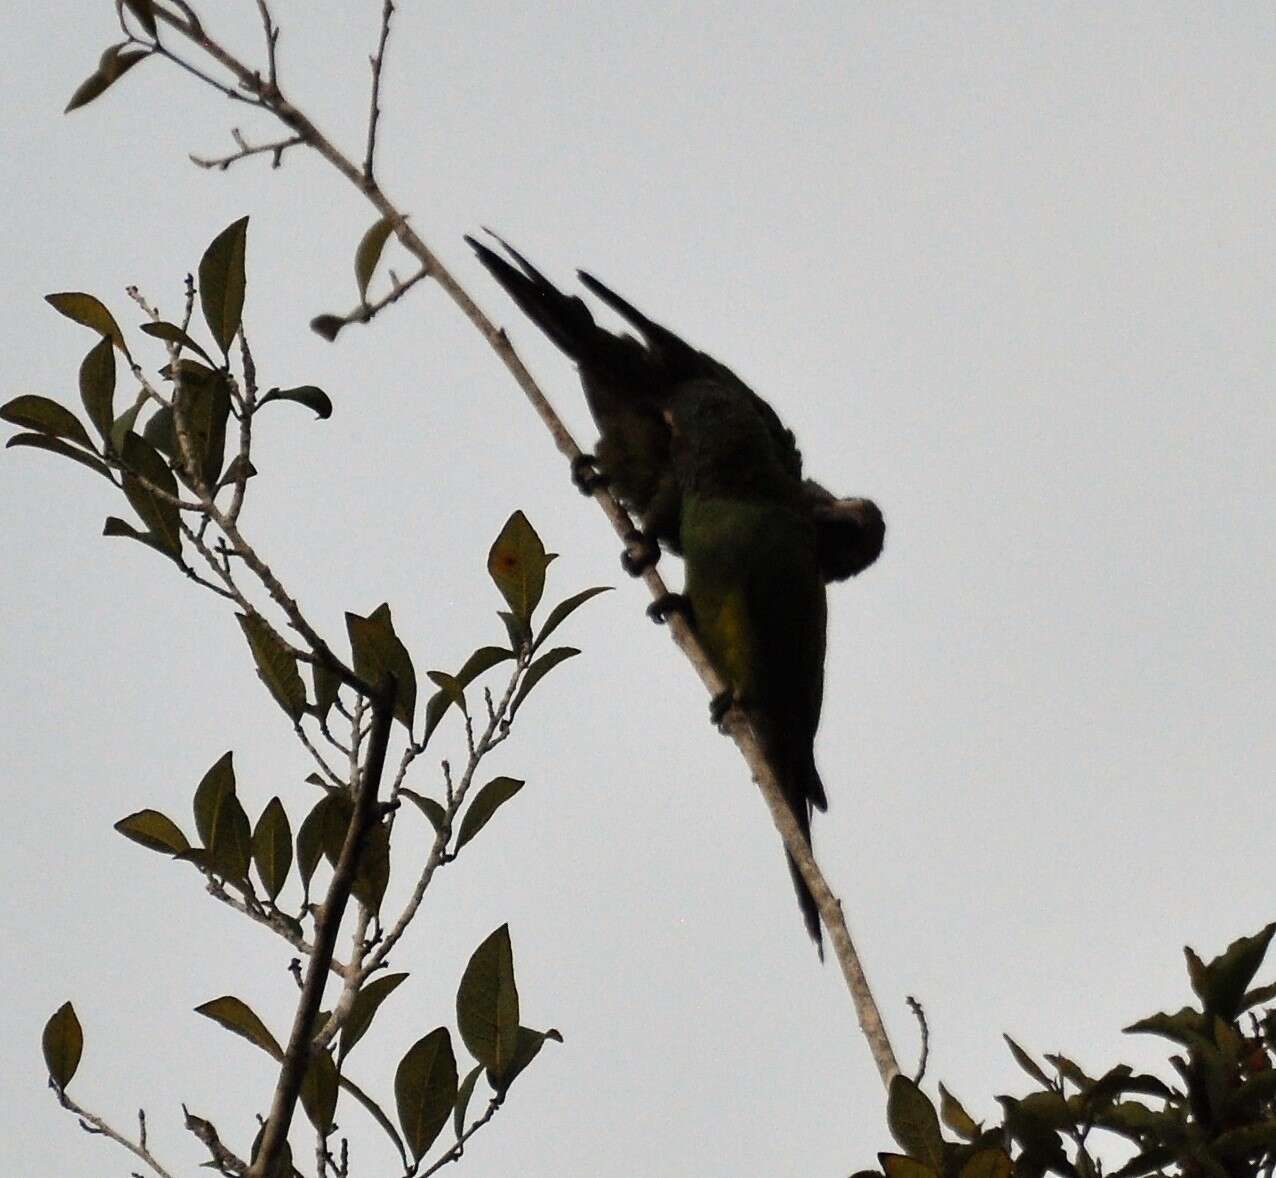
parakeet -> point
(629, 383)
(754, 586)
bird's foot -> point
(671, 603)
(586, 475)
(641, 553)
(719, 706)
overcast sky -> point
(1007, 269)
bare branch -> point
(329, 325)
(275, 149)
(374, 112)
(272, 40)
(92, 1123)
(223, 1159)
(458, 1149)
(327, 925)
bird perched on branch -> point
(628, 384)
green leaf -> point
(368, 254)
(161, 516)
(114, 526)
(366, 1004)
(1185, 1026)
(1224, 980)
(310, 842)
(372, 876)
(205, 409)
(1025, 1061)
(481, 660)
(319, 1091)
(896, 1165)
(338, 810)
(564, 609)
(283, 1166)
(914, 1123)
(236, 1015)
(222, 283)
(58, 446)
(328, 326)
(377, 651)
(144, 10)
(517, 563)
(211, 792)
(450, 686)
(272, 848)
(987, 1163)
(463, 1094)
(46, 416)
(520, 634)
(526, 1049)
(159, 432)
(123, 424)
(327, 685)
(88, 312)
(114, 64)
(63, 1044)
(276, 666)
(434, 813)
(538, 670)
(237, 465)
(155, 831)
(487, 1003)
(97, 386)
(172, 334)
(425, 1090)
(956, 1117)
(490, 798)
(309, 395)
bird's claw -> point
(671, 603)
(719, 706)
(586, 475)
(641, 554)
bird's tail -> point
(802, 791)
(564, 318)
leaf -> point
(377, 651)
(956, 1117)
(46, 416)
(276, 666)
(913, 1122)
(1225, 979)
(209, 794)
(327, 685)
(309, 395)
(896, 1165)
(319, 1091)
(564, 609)
(310, 842)
(155, 831)
(97, 386)
(368, 254)
(328, 326)
(89, 312)
(62, 1043)
(222, 283)
(204, 406)
(114, 526)
(115, 63)
(517, 563)
(1185, 1026)
(481, 660)
(490, 798)
(236, 1015)
(123, 424)
(463, 1094)
(450, 686)
(487, 1003)
(160, 515)
(338, 810)
(237, 465)
(527, 1049)
(434, 813)
(425, 1090)
(144, 10)
(171, 333)
(1025, 1061)
(365, 1006)
(520, 634)
(538, 670)
(58, 446)
(987, 1163)
(272, 848)
(372, 876)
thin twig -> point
(222, 1158)
(458, 1149)
(92, 1123)
(916, 1008)
(272, 40)
(275, 148)
(374, 112)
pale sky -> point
(1007, 269)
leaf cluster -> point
(1218, 1120)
